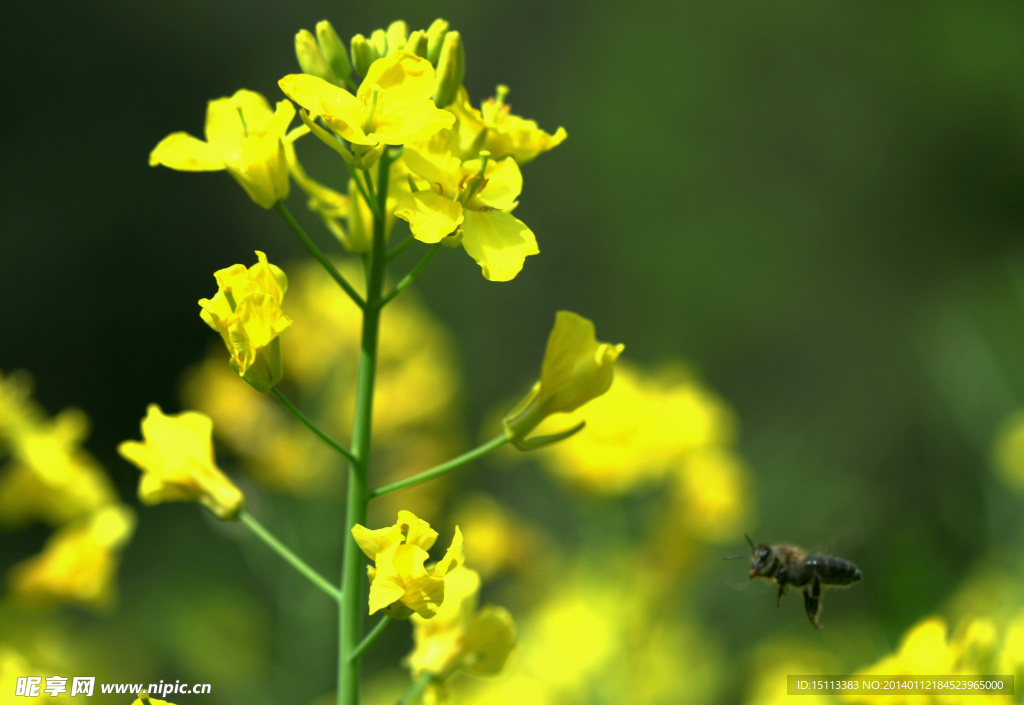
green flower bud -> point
(451, 68)
(332, 49)
(362, 54)
(309, 57)
(435, 38)
(379, 42)
(397, 35)
(417, 43)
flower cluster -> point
(457, 180)
(49, 477)
(417, 150)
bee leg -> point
(781, 577)
(812, 602)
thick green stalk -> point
(353, 574)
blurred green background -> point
(819, 208)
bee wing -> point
(842, 543)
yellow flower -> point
(50, 477)
(246, 311)
(924, 651)
(176, 460)
(473, 199)
(644, 430)
(399, 582)
(576, 369)
(79, 561)
(244, 137)
(460, 637)
(495, 129)
(392, 105)
(148, 700)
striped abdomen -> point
(833, 571)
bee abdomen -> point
(834, 571)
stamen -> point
(241, 116)
(372, 107)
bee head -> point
(762, 559)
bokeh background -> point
(805, 222)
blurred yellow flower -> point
(711, 496)
(644, 430)
(400, 584)
(500, 540)
(576, 369)
(1009, 451)
(495, 129)
(391, 107)
(244, 137)
(246, 311)
(79, 561)
(177, 464)
(460, 637)
(50, 477)
(148, 700)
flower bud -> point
(397, 35)
(379, 43)
(310, 59)
(576, 369)
(451, 68)
(435, 39)
(363, 54)
(417, 43)
(332, 49)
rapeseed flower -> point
(576, 369)
(494, 128)
(79, 560)
(177, 464)
(391, 107)
(246, 311)
(460, 637)
(400, 584)
(244, 137)
(472, 199)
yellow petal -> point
(341, 110)
(504, 184)
(499, 242)
(184, 152)
(576, 366)
(431, 216)
(229, 120)
(176, 460)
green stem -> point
(416, 688)
(370, 638)
(286, 553)
(400, 247)
(352, 575)
(441, 469)
(318, 255)
(409, 278)
(353, 173)
(310, 425)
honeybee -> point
(787, 565)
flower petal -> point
(499, 242)
(184, 152)
(431, 216)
